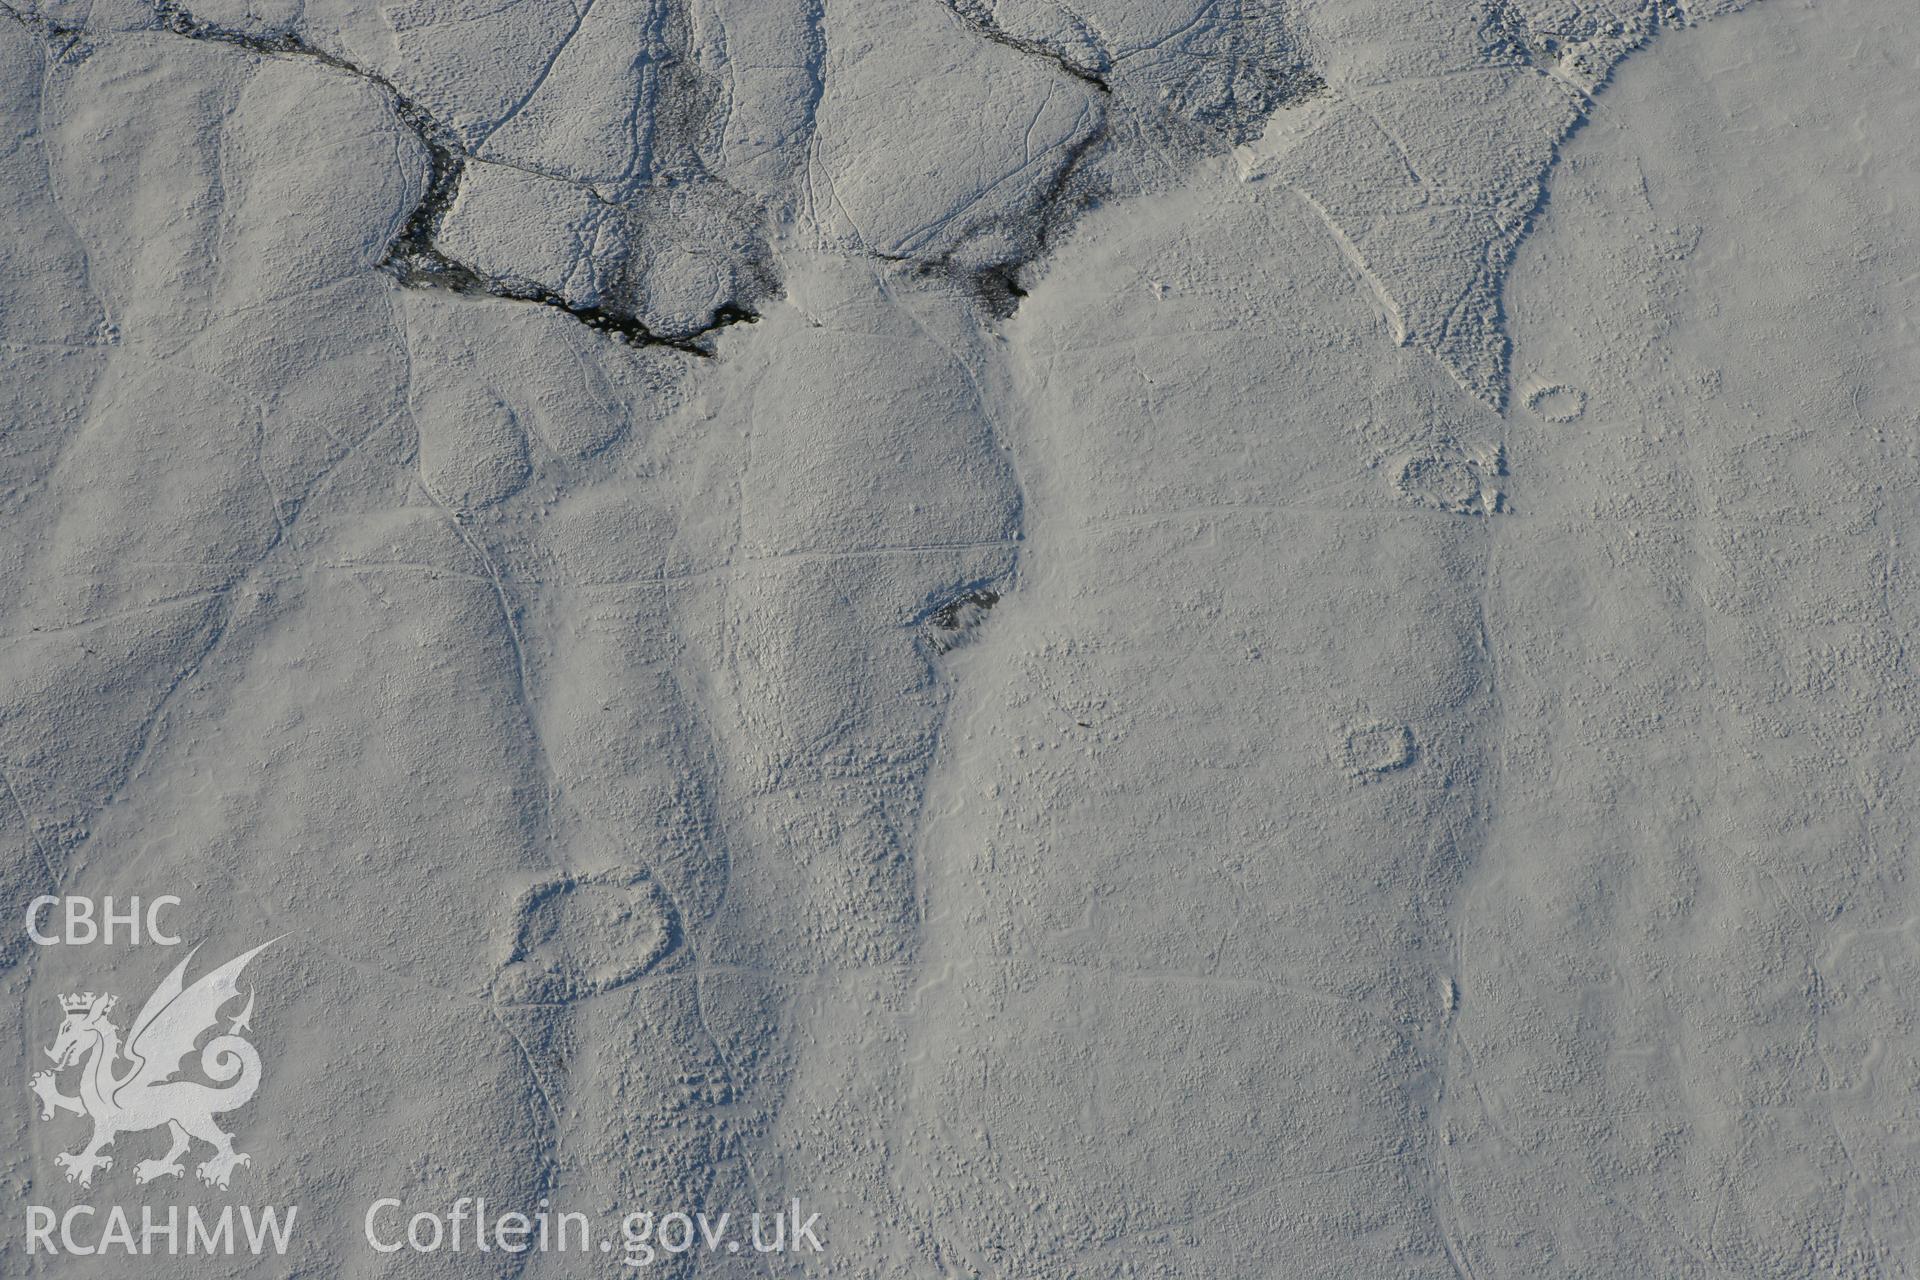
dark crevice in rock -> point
(1140, 144)
(952, 624)
(413, 259)
(1001, 286)
(1070, 193)
(980, 19)
(955, 615)
(182, 23)
(418, 265)
(998, 288)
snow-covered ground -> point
(1126, 639)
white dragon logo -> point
(145, 1095)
